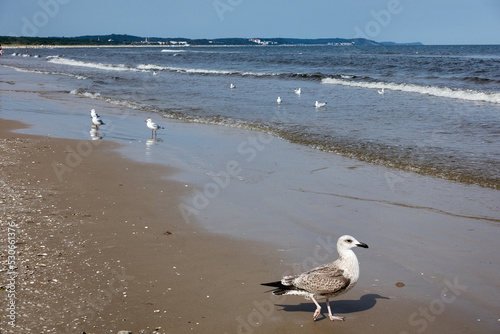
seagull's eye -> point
(348, 240)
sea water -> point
(433, 110)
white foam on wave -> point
(107, 67)
(19, 69)
(152, 67)
(117, 102)
(173, 50)
(95, 96)
(446, 92)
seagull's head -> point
(148, 120)
(346, 242)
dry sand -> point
(98, 251)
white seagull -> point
(381, 91)
(326, 281)
(153, 126)
(278, 100)
(320, 104)
(97, 121)
(232, 86)
(298, 91)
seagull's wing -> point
(322, 280)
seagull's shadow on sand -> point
(366, 302)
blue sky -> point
(427, 21)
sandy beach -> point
(100, 252)
(103, 246)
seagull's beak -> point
(362, 245)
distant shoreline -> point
(21, 46)
(129, 40)
(154, 46)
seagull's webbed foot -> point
(316, 313)
(330, 315)
(318, 308)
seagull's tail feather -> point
(276, 284)
(281, 288)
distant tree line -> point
(115, 39)
(8, 40)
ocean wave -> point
(172, 51)
(446, 92)
(100, 66)
(114, 101)
(152, 67)
(54, 56)
(201, 71)
(20, 69)
(80, 92)
(479, 80)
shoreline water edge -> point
(175, 232)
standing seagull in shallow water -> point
(278, 100)
(153, 126)
(298, 91)
(381, 91)
(326, 281)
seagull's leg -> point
(318, 308)
(332, 317)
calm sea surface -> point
(439, 113)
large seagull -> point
(326, 281)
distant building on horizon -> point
(179, 43)
(261, 42)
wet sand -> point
(103, 246)
(100, 252)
